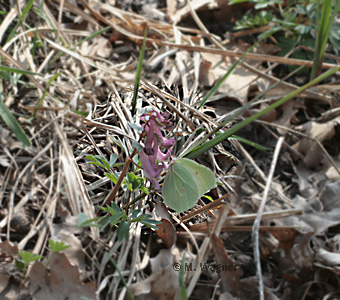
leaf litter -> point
(45, 187)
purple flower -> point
(152, 158)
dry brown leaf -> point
(227, 296)
(8, 249)
(249, 289)
(309, 148)
(7, 268)
(302, 253)
(182, 13)
(270, 116)
(330, 196)
(167, 232)
(230, 12)
(320, 221)
(230, 278)
(286, 237)
(289, 109)
(237, 85)
(62, 282)
(162, 212)
(64, 233)
(307, 187)
(163, 282)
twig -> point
(205, 208)
(113, 193)
(257, 221)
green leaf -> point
(136, 127)
(122, 279)
(186, 182)
(57, 246)
(112, 220)
(113, 209)
(113, 159)
(112, 177)
(135, 213)
(123, 231)
(28, 257)
(99, 160)
(90, 222)
(209, 198)
(20, 265)
(236, 1)
(151, 223)
(81, 219)
(137, 146)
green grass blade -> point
(139, 71)
(90, 37)
(44, 94)
(18, 71)
(250, 143)
(218, 139)
(122, 279)
(24, 13)
(324, 26)
(183, 290)
(231, 70)
(13, 124)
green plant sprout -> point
(26, 258)
(116, 216)
(22, 263)
(56, 246)
(131, 181)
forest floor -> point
(73, 98)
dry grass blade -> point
(259, 216)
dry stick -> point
(207, 207)
(113, 193)
(257, 221)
